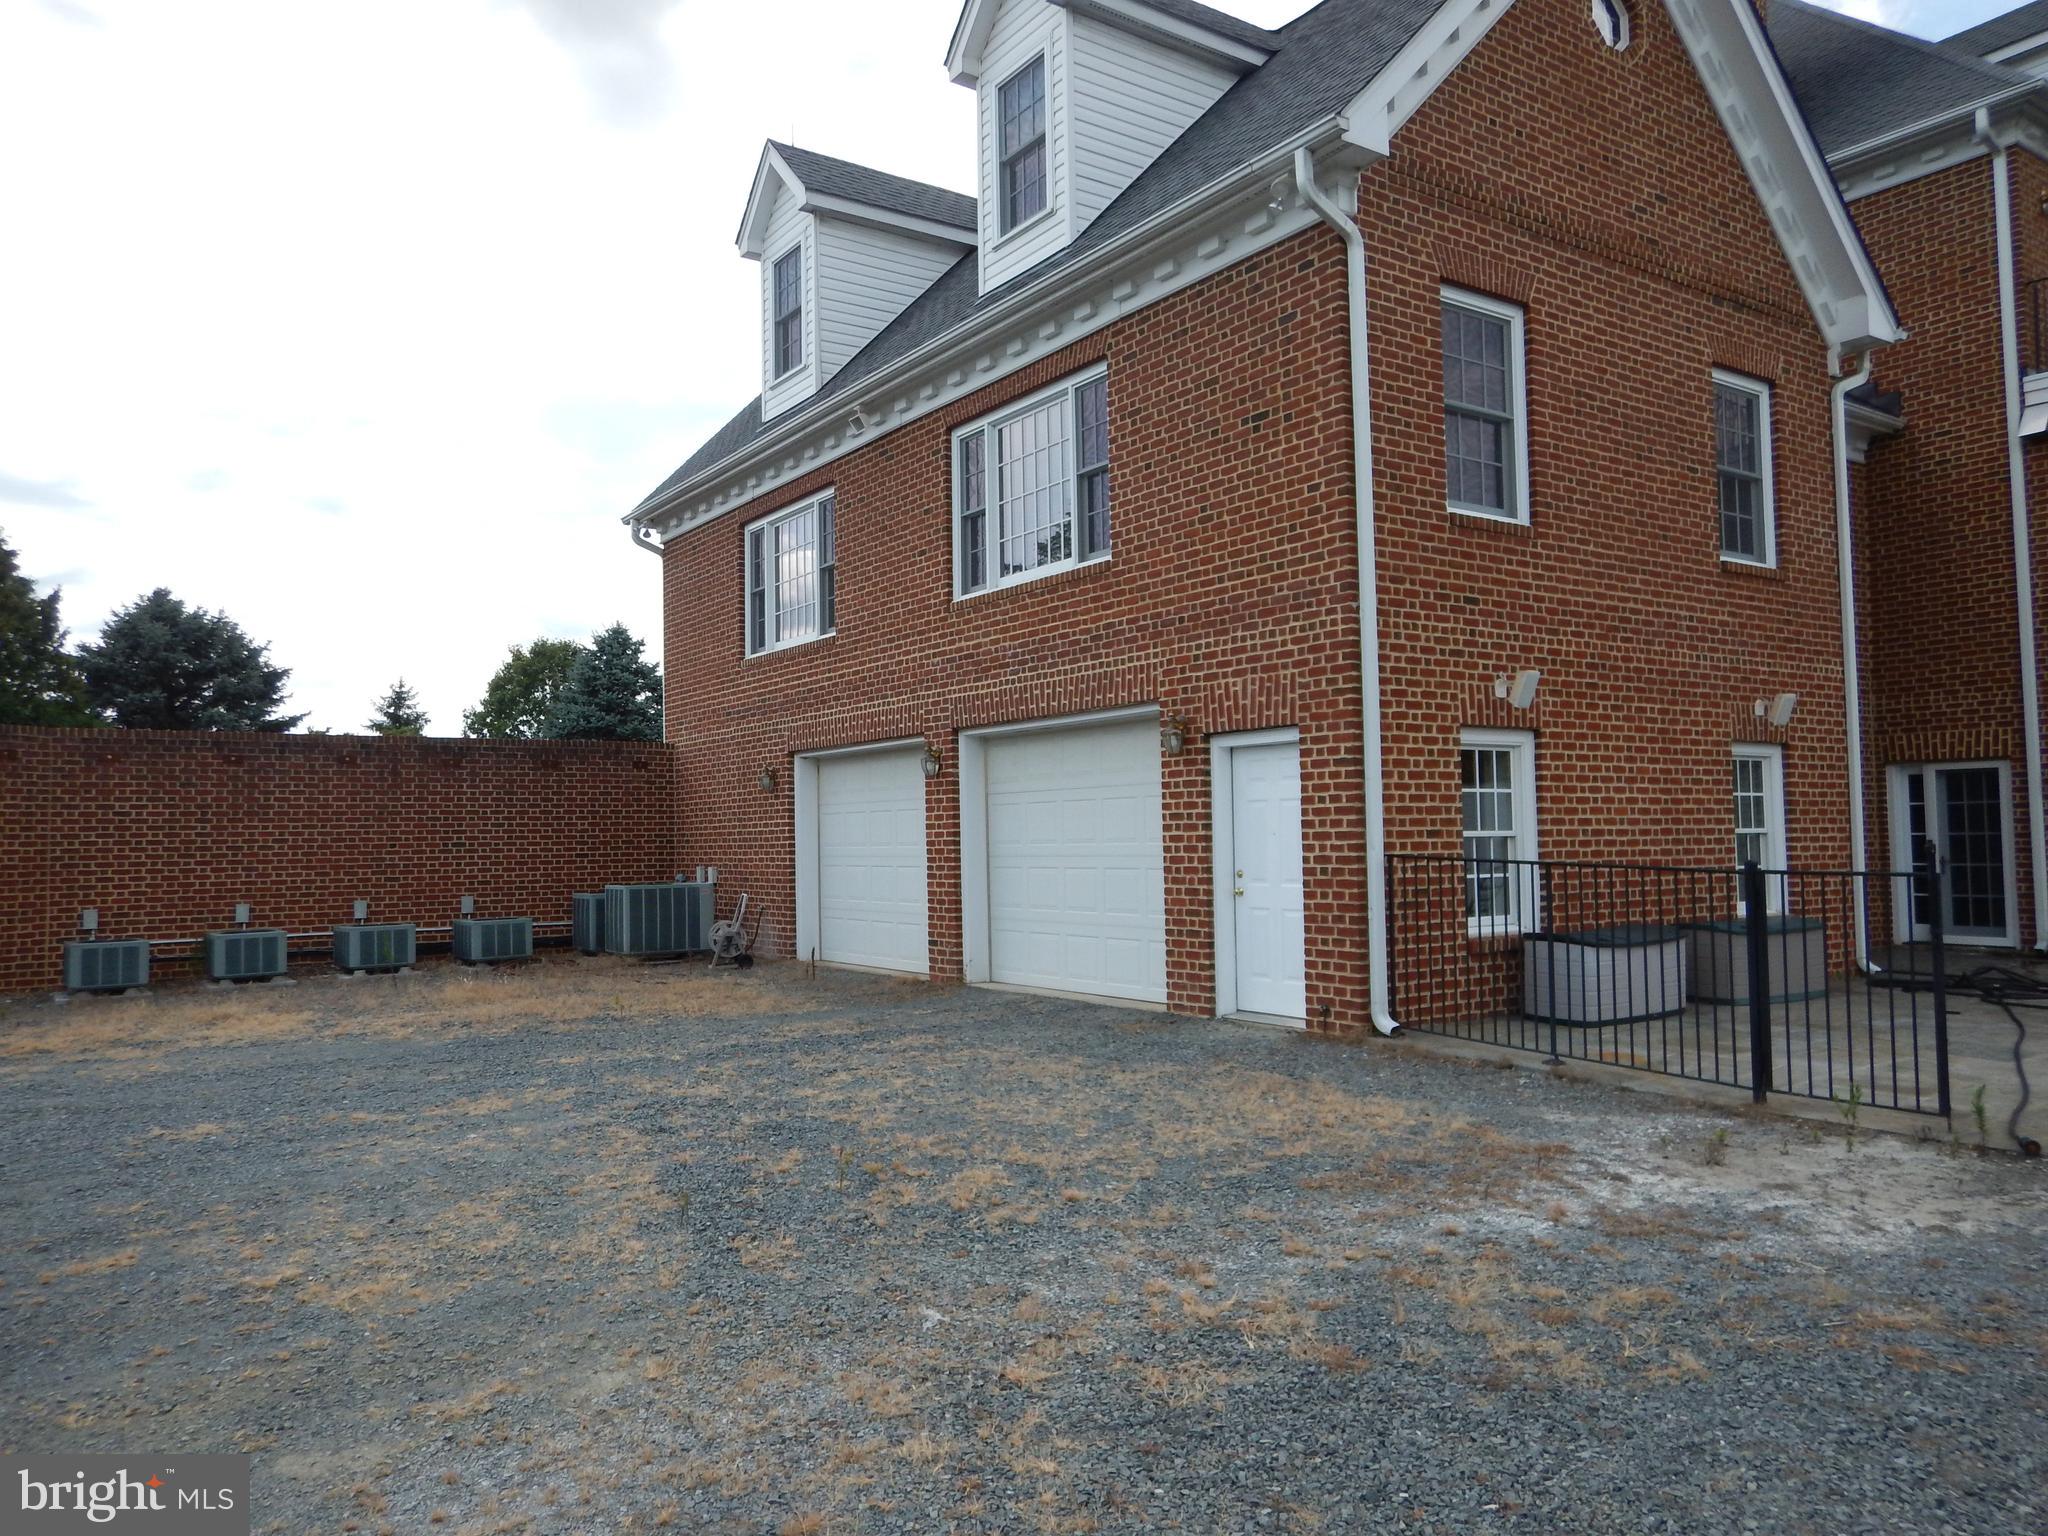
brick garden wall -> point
(1597, 190)
(164, 831)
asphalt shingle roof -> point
(829, 176)
(2020, 22)
(1320, 61)
(1857, 82)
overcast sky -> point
(366, 320)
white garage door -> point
(1077, 897)
(871, 897)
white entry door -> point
(871, 871)
(1076, 878)
(1268, 927)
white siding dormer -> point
(1123, 79)
(1023, 31)
(1132, 96)
(866, 278)
(789, 229)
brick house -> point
(1942, 153)
(1413, 430)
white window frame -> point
(1007, 233)
(992, 492)
(762, 525)
(1525, 904)
(1611, 22)
(1518, 399)
(776, 372)
(1772, 756)
(1767, 513)
(1902, 847)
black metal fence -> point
(1766, 980)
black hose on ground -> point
(2009, 991)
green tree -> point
(612, 694)
(39, 684)
(162, 666)
(524, 690)
(399, 713)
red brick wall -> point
(164, 831)
(1598, 190)
(1934, 512)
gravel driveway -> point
(593, 1247)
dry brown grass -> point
(79, 1268)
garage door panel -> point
(1075, 874)
(872, 907)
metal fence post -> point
(1756, 936)
(1937, 959)
(1392, 907)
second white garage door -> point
(1076, 890)
(871, 886)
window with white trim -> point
(1760, 812)
(1497, 811)
(1742, 468)
(792, 576)
(1610, 20)
(1020, 129)
(1031, 487)
(1486, 449)
(788, 313)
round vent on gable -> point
(1610, 20)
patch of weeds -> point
(1715, 1154)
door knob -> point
(1238, 892)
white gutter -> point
(1368, 586)
(2022, 536)
(1852, 671)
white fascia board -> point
(970, 36)
(1784, 165)
(1180, 245)
(773, 171)
(2014, 50)
(889, 218)
(1437, 48)
(2019, 117)
(1174, 31)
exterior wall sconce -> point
(931, 763)
(767, 781)
(1519, 690)
(1173, 735)
(1778, 711)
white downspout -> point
(644, 538)
(1852, 671)
(2022, 537)
(1368, 585)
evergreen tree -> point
(612, 694)
(39, 684)
(399, 713)
(523, 692)
(162, 666)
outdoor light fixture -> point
(1173, 735)
(1519, 690)
(1781, 709)
(767, 780)
(858, 421)
(931, 762)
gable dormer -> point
(1074, 99)
(843, 250)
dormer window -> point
(789, 310)
(1021, 111)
